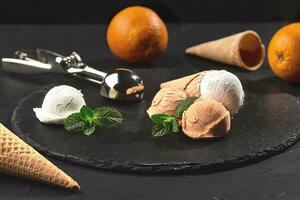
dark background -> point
(100, 11)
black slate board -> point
(268, 123)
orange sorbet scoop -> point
(206, 118)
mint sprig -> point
(183, 106)
(165, 124)
(88, 119)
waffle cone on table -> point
(18, 158)
(190, 84)
(244, 50)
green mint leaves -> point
(87, 119)
(74, 123)
(86, 114)
(108, 117)
(165, 124)
(184, 105)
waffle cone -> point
(190, 84)
(18, 158)
(244, 50)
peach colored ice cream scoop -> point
(206, 118)
(190, 84)
(166, 100)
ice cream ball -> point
(224, 87)
(166, 100)
(190, 84)
(193, 87)
(59, 103)
(206, 118)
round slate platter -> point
(267, 124)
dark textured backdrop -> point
(97, 11)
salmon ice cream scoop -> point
(190, 84)
(166, 100)
(205, 118)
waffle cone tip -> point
(189, 50)
(19, 159)
(74, 186)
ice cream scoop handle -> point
(88, 73)
(24, 66)
(93, 73)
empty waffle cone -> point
(244, 50)
(190, 84)
(18, 158)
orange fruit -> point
(284, 53)
(137, 35)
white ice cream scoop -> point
(225, 87)
(59, 103)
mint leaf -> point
(159, 118)
(158, 130)
(164, 124)
(86, 114)
(107, 116)
(175, 126)
(183, 106)
(88, 130)
(74, 123)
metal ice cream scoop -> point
(119, 84)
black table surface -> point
(274, 178)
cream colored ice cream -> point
(223, 87)
(59, 103)
(166, 100)
(205, 118)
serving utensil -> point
(119, 84)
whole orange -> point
(284, 53)
(137, 35)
